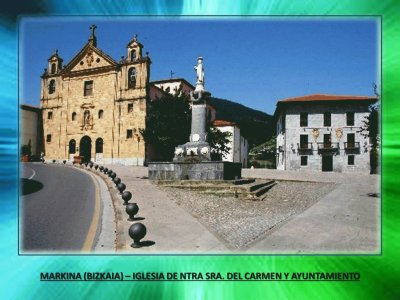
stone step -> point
(193, 182)
(261, 191)
(245, 189)
(259, 185)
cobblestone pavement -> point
(241, 222)
(329, 213)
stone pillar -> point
(197, 148)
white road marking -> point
(34, 173)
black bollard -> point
(137, 231)
(91, 165)
(126, 196)
(117, 181)
(132, 209)
(101, 168)
(64, 161)
(121, 187)
(109, 173)
(54, 161)
(113, 175)
(105, 170)
(96, 167)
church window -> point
(129, 134)
(132, 78)
(130, 107)
(48, 138)
(101, 113)
(50, 115)
(73, 116)
(88, 89)
(72, 147)
(133, 55)
(53, 68)
(99, 145)
(52, 86)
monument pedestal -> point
(205, 170)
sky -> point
(253, 61)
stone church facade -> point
(94, 106)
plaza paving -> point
(345, 220)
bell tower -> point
(134, 49)
(55, 63)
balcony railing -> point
(328, 147)
(352, 147)
(304, 148)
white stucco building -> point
(322, 133)
(238, 144)
(31, 128)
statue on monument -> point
(199, 74)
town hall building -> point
(322, 133)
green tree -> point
(168, 124)
(370, 129)
(218, 141)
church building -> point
(94, 107)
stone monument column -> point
(197, 147)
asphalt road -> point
(56, 208)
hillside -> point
(256, 126)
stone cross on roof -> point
(93, 38)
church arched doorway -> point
(85, 148)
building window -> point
(129, 134)
(73, 117)
(130, 107)
(72, 147)
(132, 78)
(48, 138)
(50, 115)
(133, 55)
(101, 114)
(88, 88)
(350, 160)
(303, 141)
(350, 118)
(327, 119)
(351, 138)
(52, 86)
(99, 145)
(304, 160)
(53, 68)
(303, 119)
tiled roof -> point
(220, 123)
(325, 97)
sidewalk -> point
(173, 230)
(347, 220)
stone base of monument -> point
(206, 170)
